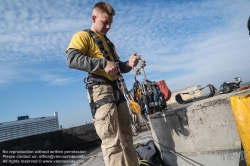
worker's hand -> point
(111, 68)
(133, 60)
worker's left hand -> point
(133, 60)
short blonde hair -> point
(104, 7)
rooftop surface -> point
(95, 157)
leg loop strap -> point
(99, 103)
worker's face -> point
(102, 22)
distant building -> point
(25, 126)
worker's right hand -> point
(111, 68)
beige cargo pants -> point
(113, 126)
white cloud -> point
(188, 43)
(57, 79)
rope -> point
(194, 91)
(135, 124)
(137, 70)
(185, 158)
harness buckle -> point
(113, 97)
(86, 80)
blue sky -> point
(183, 42)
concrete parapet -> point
(202, 133)
(71, 138)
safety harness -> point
(92, 79)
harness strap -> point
(99, 103)
(111, 47)
(93, 79)
(98, 41)
(105, 100)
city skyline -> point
(26, 126)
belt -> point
(93, 79)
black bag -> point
(151, 100)
(148, 154)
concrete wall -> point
(202, 133)
(72, 138)
(185, 97)
(79, 137)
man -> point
(92, 52)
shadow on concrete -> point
(164, 126)
(76, 141)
